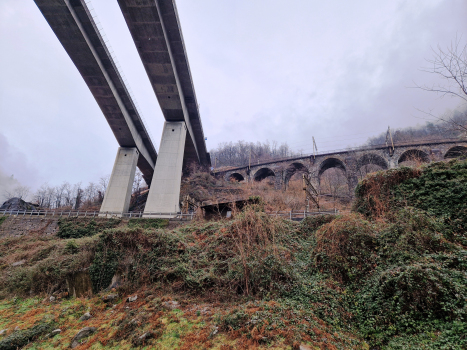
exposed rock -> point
(109, 298)
(304, 347)
(116, 282)
(54, 333)
(3, 331)
(18, 204)
(141, 339)
(214, 331)
(85, 317)
(83, 333)
(18, 263)
(171, 305)
(52, 298)
(133, 298)
(17, 328)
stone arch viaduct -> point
(350, 161)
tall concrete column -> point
(118, 194)
(164, 194)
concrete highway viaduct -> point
(156, 32)
(349, 161)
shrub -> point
(20, 338)
(406, 299)
(411, 234)
(312, 223)
(441, 190)
(248, 255)
(346, 248)
(374, 194)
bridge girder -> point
(72, 23)
(156, 31)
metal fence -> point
(297, 215)
(85, 213)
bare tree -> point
(20, 192)
(450, 65)
(138, 182)
(104, 182)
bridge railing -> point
(56, 213)
(292, 215)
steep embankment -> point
(390, 277)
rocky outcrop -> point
(18, 204)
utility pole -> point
(389, 138)
(314, 147)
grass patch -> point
(81, 227)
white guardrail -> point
(174, 216)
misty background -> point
(263, 70)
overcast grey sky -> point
(338, 70)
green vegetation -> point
(148, 223)
(79, 227)
(20, 338)
(2, 219)
(391, 275)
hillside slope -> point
(391, 275)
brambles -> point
(390, 277)
(374, 194)
(345, 248)
(410, 299)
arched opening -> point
(263, 173)
(236, 177)
(370, 163)
(294, 173)
(455, 152)
(413, 157)
(333, 180)
(330, 163)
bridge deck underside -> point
(99, 76)
(156, 31)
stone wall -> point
(18, 226)
(349, 161)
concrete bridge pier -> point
(164, 193)
(118, 194)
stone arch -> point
(236, 177)
(263, 173)
(330, 163)
(414, 154)
(294, 168)
(371, 158)
(455, 152)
